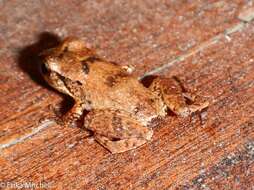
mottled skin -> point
(120, 107)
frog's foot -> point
(174, 96)
(69, 120)
(116, 130)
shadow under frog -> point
(30, 62)
(120, 108)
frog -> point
(120, 109)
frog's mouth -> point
(54, 80)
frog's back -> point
(112, 87)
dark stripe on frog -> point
(91, 59)
(112, 80)
(85, 68)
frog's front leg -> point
(74, 114)
(116, 130)
(172, 94)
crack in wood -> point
(41, 127)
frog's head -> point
(64, 67)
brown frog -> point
(120, 109)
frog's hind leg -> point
(116, 130)
(174, 95)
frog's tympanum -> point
(120, 108)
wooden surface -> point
(208, 44)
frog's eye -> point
(44, 69)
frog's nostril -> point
(44, 69)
